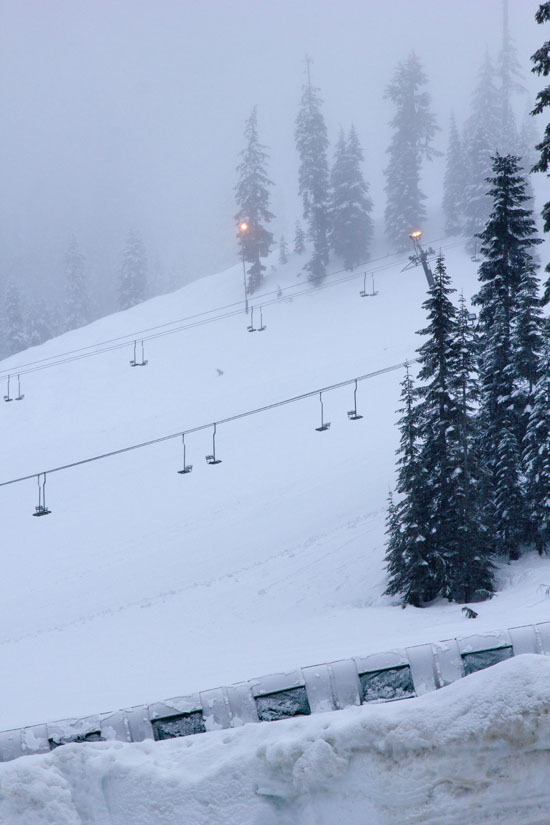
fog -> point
(126, 113)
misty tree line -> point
(29, 323)
(337, 209)
(473, 478)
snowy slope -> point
(476, 752)
(145, 584)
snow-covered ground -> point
(477, 752)
(144, 584)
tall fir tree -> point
(473, 577)
(439, 467)
(252, 197)
(506, 243)
(485, 109)
(414, 128)
(453, 182)
(15, 330)
(480, 143)
(133, 271)
(76, 301)
(411, 575)
(526, 341)
(351, 226)
(541, 66)
(438, 415)
(510, 76)
(312, 144)
(457, 550)
(527, 141)
(536, 457)
(299, 239)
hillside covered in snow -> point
(142, 583)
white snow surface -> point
(477, 752)
(144, 584)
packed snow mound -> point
(477, 751)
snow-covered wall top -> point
(380, 677)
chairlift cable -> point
(121, 342)
(212, 424)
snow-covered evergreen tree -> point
(299, 239)
(312, 144)
(133, 272)
(480, 143)
(536, 458)
(76, 297)
(507, 243)
(458, 553)
(414, 127)
(473, 576)
(526, 343)
(438, 415)
(283, 251)
(453, 182)
(541, 66)
(252, 197)
(411, 575)
(350, 207)
(15, 330)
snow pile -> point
(477, 751)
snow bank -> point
(477, 751)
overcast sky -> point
(119, 113)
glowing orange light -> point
(416, 234)
(243, 226)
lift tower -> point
(421, 257)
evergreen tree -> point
(350, 212)
(453, 183)
(507, 242)
(458, 554)
(76, 301)
(312, 144)
(16, 339)
(473, 576)
(541, 66)
(485, 110)
(283, 251)
(509, 73)
(408, 551)
(413, 127)
(299, 239)
(133, 272)
(476, 201)
(536, 458)
(526, 343)
(480, 142)
(527, 141)
(437, 544)
(252, 197)
(39, 325)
